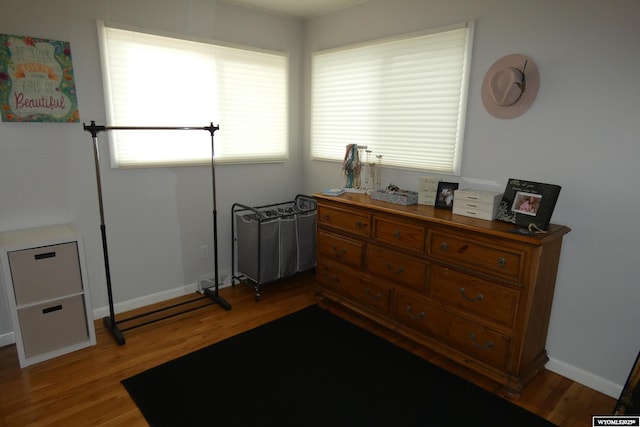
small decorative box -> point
(476, 203)
(400, 197)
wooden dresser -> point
(467, 288)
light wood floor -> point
(83, 388)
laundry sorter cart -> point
(273, 241)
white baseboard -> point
(588, 379)
(100, 312)
(7, 339)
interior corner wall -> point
(581, 133)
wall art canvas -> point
(36, 80)
(529, 204)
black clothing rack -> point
(213, 295)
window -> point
(403, 98)
(153, 80)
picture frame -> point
(528, 204)
(427, 190)
(445, 194)
(37, 83)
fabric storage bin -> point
(45, 273)
(258, 245)
(307, 220)
(288, 241)
(307, 240)
(50, 326)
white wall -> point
(582, 132)
(156, 219)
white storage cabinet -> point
(44, 274)
(476, 203)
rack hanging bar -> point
(94, 129)
(110, 322)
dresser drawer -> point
(474, 212)
(53, 326)
(468, 337)
(469, 196)
(376, 297)
(503, 260)
(400, 269)
(468, 294)
(345, 220)
(46, 272)
(333, 277)
(346, 251)
(400, 234)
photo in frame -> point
(528, 204)
(445, 194)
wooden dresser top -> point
(446, 217)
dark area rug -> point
(312, 368)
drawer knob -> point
(339, 252)
(326, 217)
(359, 224)
(331, 277)
(501, 262)
(444, 246)
(376, 295)
(399, 270)
(478, 297)
(396, 234)
(414, 316)
(472, 338)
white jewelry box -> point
(476, 203)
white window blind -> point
(404, 98)
(153, 80)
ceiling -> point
(298, 8)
